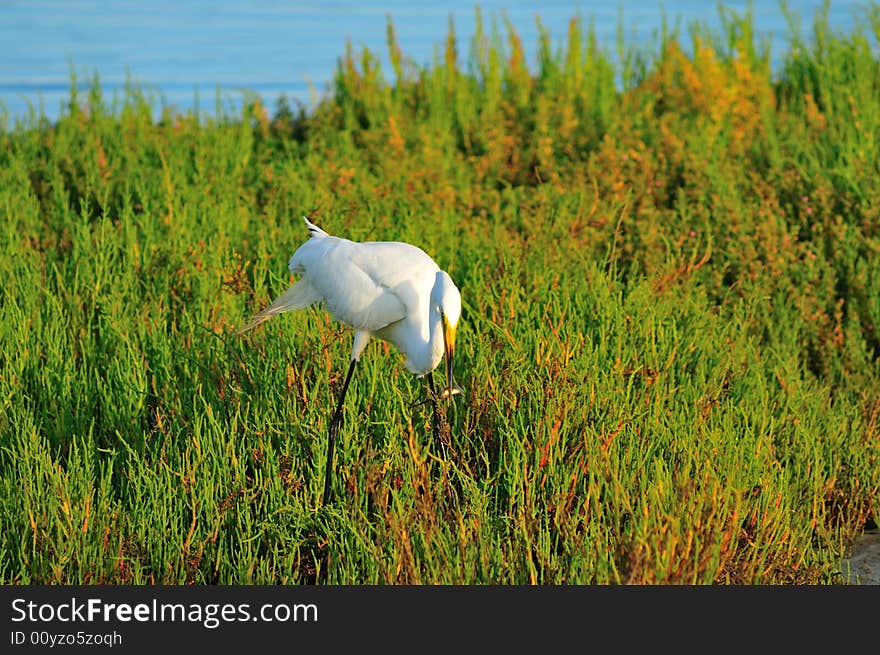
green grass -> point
(669, 263)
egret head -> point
(448, 299)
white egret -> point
(390, 290)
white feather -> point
(377, 288)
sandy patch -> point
(864, 564)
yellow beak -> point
(449, 350)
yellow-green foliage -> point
(669, 264)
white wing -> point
(366, 285)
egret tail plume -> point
(313, 229)
(299, 296)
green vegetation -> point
(670, 343)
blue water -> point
(180, 50)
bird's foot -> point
(449, 392)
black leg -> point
(334, 428)
(435, 417)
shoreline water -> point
(294, 50)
